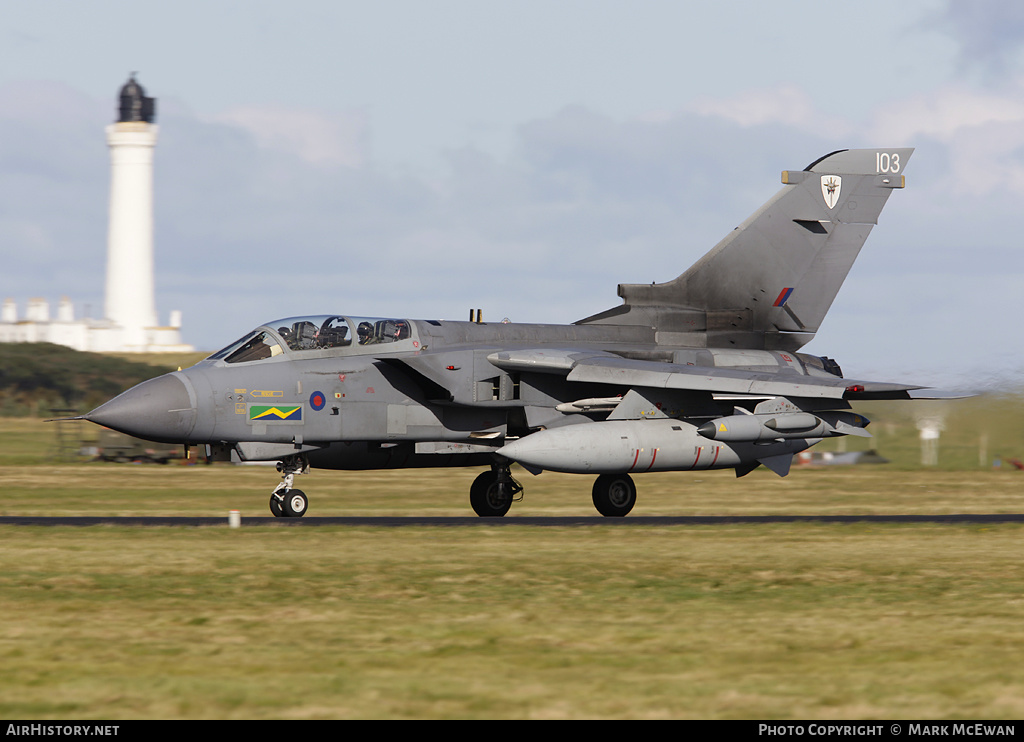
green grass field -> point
(806, 621)
(799, 621)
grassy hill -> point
(36, 378)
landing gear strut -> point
(286, 502)
(493, 492)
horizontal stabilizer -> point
(939, 394)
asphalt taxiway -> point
(563, 521)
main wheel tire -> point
(614, 495)
(275, 507)
(488, 498)
(295, 504)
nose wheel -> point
(286, 501)
(289, 504)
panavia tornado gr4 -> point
(700, 372)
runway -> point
(560, 521)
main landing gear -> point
(286, 502)
(493, 492)
(614, 494)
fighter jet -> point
(701, 372)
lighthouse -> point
(130, 299)
(129, 322)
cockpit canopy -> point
(324, 333)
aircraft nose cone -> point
(159, 410)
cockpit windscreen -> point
(319, 332)
(253, 347)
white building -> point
(130, 321)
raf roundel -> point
(317, 400)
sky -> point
(419, 159)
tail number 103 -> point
(887, 163)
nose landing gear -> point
(286, 502)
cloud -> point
(788, 105)
(989, 33)
(336, 139)
(943, 113)
(979, 135)
(53, 182)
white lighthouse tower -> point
(130, 310)
(131, 303)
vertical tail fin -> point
(770, 282)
